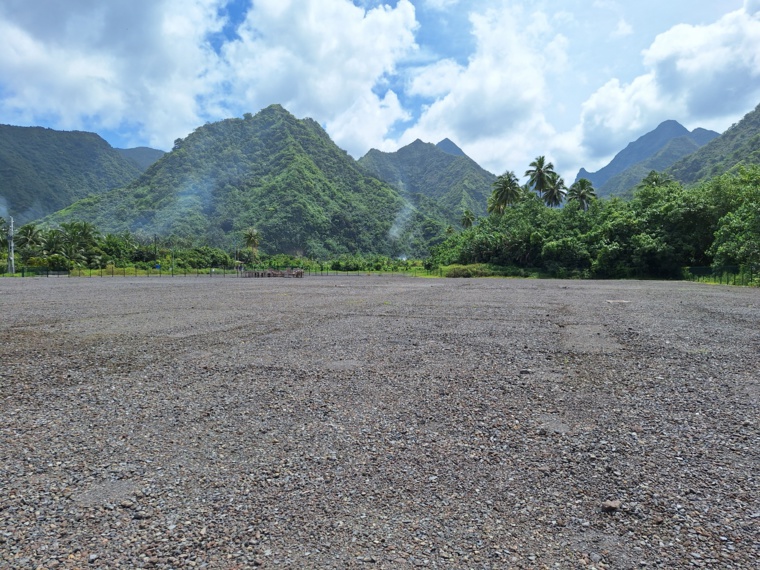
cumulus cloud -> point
(494, 101)
(622, 29)
(699, 72)
(150, 67)
(440, 4)
(100, 65)
(328, 60)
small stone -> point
(92, 558)
(611, 506)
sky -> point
(506, 80)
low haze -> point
(507, 81)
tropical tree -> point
(656, 179)
(468, 218)
(29, 239)
(582, 191)
(118, 248)
(555, 191)
(539, 174)
(506, 192)
(252, 239)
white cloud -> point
(374, 114)
(101, 65)
(495, 101)
(327, 60)
(436, 79)
(622, 29)
(693, 73)
(441, 4)
(147, 66)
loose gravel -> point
(377, 422)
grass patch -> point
(486, 270)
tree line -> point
(79, 245)
(661, 229)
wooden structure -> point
(274, 273)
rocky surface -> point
(377, 422)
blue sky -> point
(506, 80)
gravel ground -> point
(378, 422)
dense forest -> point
(282, 175)
(663, 228)
(43, 170)
(271, 188)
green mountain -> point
(622, 183)
(427, 174)
(739, 145)
(670, 141)
(271, 171)
(43, 170)
(142, 156)
(447, 145)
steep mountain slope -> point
(142, 156)
(739, 145)
(448, 146)
(624, 182)
(642, 149)
(282, 175)
(43, 170)
(425, 172)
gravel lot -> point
(378, 422)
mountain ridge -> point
(739, 145)
(283, 175)
(613, 179)
(43, 170)
(441, 172)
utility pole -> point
(11, 261)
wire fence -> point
(213, 272)
(742, 275)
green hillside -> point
(739, 145)
(624, 182)
(142, 156)
(43, 170)
(425, 173)
(271, 171)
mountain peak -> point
(642, 149)
(447, 146)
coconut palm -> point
(555, 190)
(582, 191)
(506, 191)
(655, 179)
(252, 238)
(29, 239)
(468, 218)
(539, 174)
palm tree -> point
(655, 179)
(555, 191)
(252, 239)
(468, 218)
(52, 243)
(582, 191)
(539, 174)
(29, 238)
(506, 191)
